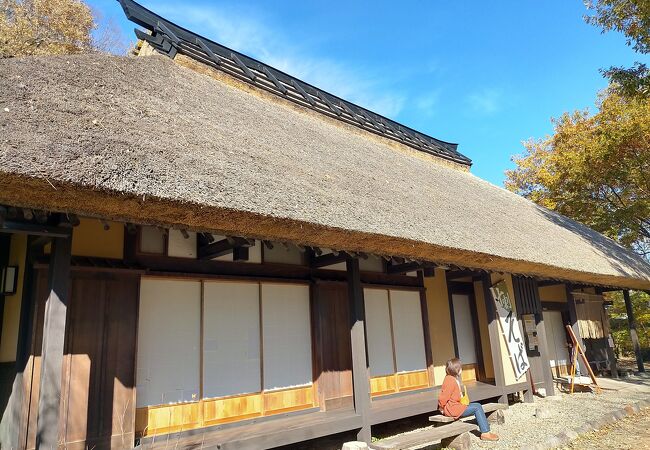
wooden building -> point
(210, 251)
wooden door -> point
(97, 408)
(332, 351)
(558, 353)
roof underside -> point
(80, 135)
(170, 39)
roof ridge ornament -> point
(169, 39)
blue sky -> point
(487, 75)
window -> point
(168, 341)
(231, 339)
(378, 332)
(286, 336)
(256, 337)
(395, 339)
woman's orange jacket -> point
(449, 398)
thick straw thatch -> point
(145, 140)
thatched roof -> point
(149, 141)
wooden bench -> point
(455, 435)
(493, 411)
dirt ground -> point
(630, 433)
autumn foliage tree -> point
(54, 27)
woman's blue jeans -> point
(476, 410)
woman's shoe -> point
(489, 437)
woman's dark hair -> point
(453, 367)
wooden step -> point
(422, 437)
(489, 408)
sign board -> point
(510, 328)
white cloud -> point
(427, 103)
(249, 33)
(486, 101)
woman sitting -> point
(450, 405)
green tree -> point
(594, 169)
(619, 324)
(54, 27)
(632, 18)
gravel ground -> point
(630, 433)
(566, 411)
(523, 428)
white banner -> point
(510, 329)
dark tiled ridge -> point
(170, 39)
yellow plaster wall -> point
(483, 329)
(90, 239)
(555, 293)
(442, 339)
(11, 313)
(508, 370)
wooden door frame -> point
(467, 288)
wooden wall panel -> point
(163, 419)
(155, 420)
(412, 380)
(288, 400)
(221, 410)
(383, 385)
(97, 407)
(469, 372)
(333, 355)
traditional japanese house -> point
(200, 249)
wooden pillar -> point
(631, 321)
(53, 341)
(495, 335)
(573, 318)
(360, 371)
(543, 354)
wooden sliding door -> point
(212, 352)
(333, 357)
(395, 340)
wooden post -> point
(573, 318)
(543, 354)
(631, 321)
(360, 372)
(495, 335)
(53, 341)
(613, 366)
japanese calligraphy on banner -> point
(510, 328)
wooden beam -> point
(631, 321)
(408, 267)
(47, 434)
(426, 331)
(223, 247)
(240, 253)
(456, 274)
(494, 334)
(360, 368)
(611, 357)
(429, 272)
(35, 229)
(328, 259)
